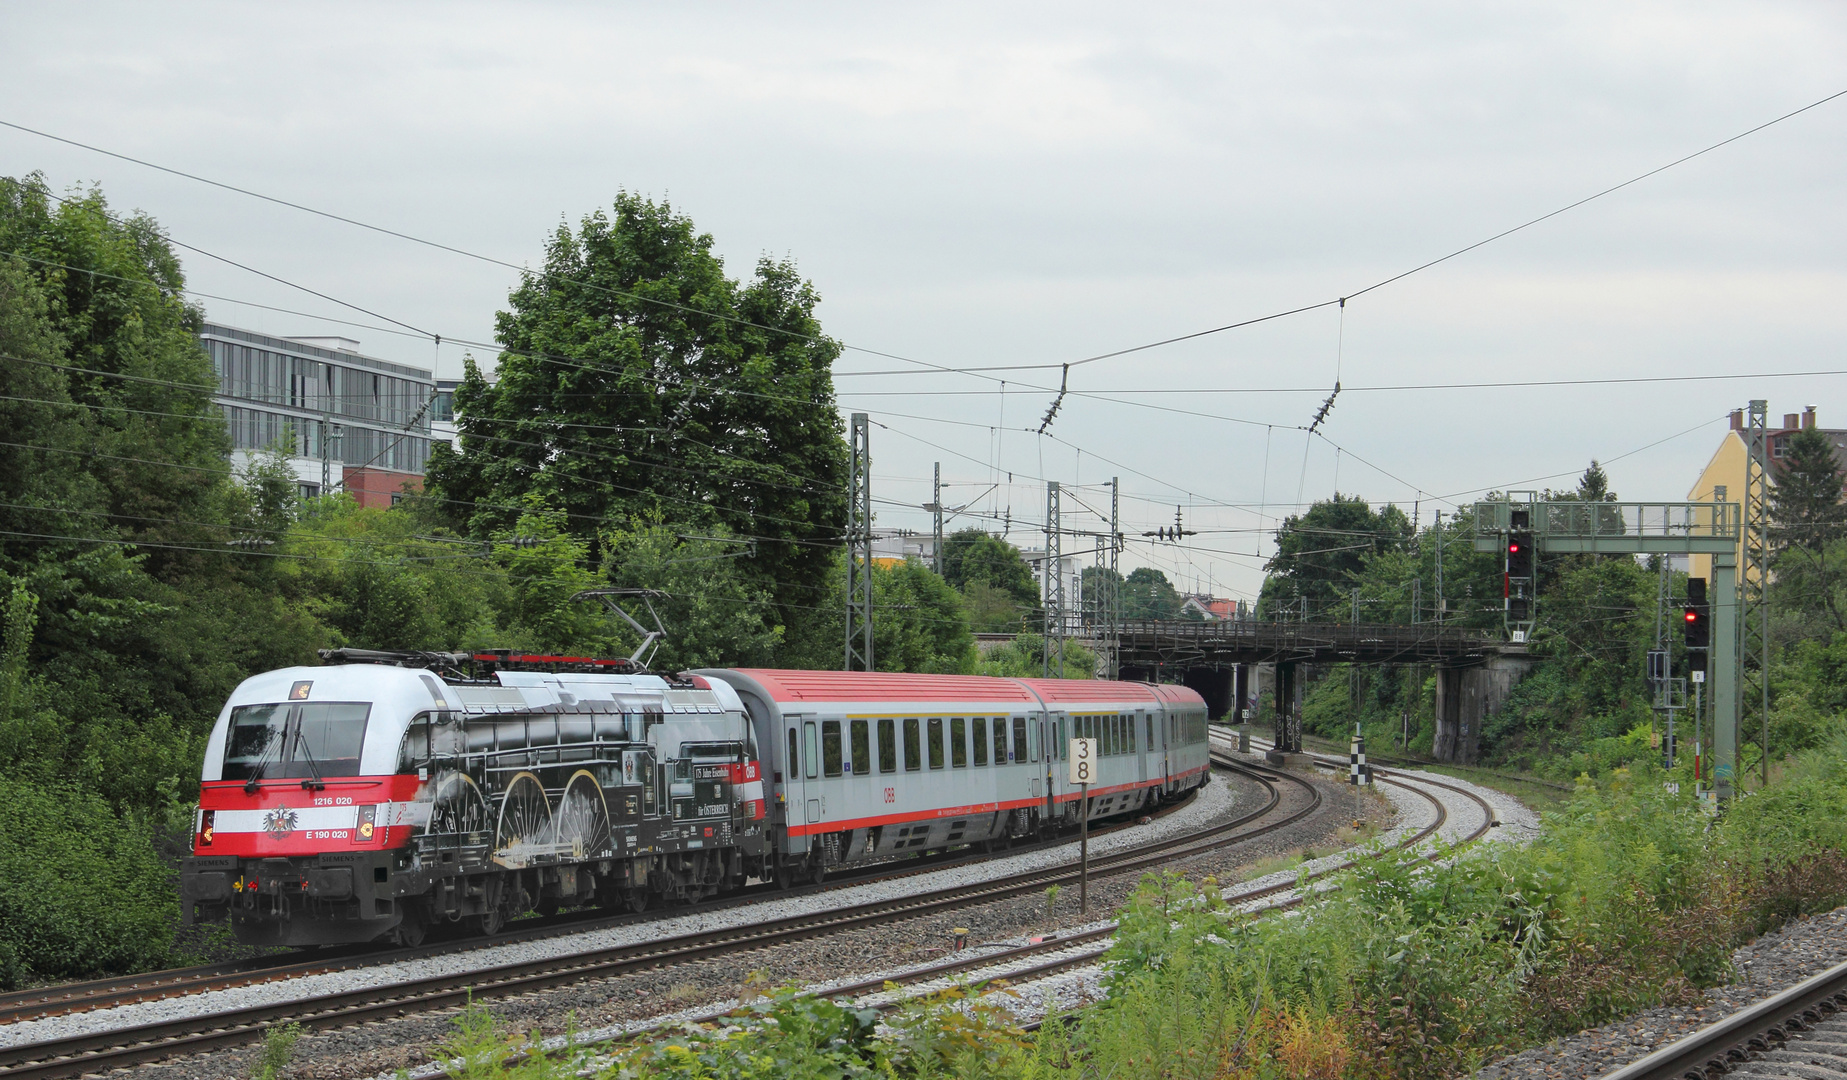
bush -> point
(82, 891)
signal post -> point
(1521, 526)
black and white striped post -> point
(1360, 773)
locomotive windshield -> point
(295, 740)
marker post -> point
(1082, 759)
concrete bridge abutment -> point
(1468, 696)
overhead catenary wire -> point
(1296, 310)
(1339, 449)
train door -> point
(640, 772)
(800, 761)
(1049, 729)
(1142, 738)
(858, 797)
(1164, 730)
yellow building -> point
(1726, 469)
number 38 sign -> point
(1083, 761)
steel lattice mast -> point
(859, 547)
(1754, 578)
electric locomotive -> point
(385, 795)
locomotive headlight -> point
(206, 821)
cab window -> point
(293, 741)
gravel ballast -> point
(1772, 963)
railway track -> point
(1799, 1034)
(1097, 937)
(35, 1004)
(118, 1048)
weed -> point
(278, 1050)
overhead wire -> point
(1102, 356)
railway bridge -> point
(1475, 669)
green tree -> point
(714, 613)
(973, 555)
(992, 610)
(1024, 658)
(1320, 555)
(1805, 502)
(111, 297)
(1147, 594)
(917, 621)
(639, 380)
(1102, 591)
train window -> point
(830, 747)
(1019, 739)
(913, 746)
(862, 748)
(793, 764)
(1128, 728)
(1112, 736)
(1032, 739)
(936, 742)
(888, 747)
(981, 740)
(811, 749)
(1000, 740)
(958, 742)
(1150, 726)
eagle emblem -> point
(279, 822)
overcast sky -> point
(989, 185)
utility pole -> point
(1754, 575)
(1054, 583)
(936, 508)
(859, 547)
(1113, 601)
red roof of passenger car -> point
(1081, 690)
(789, 685)
(1185, 695)
(792, 685)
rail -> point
(1715, 1049)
